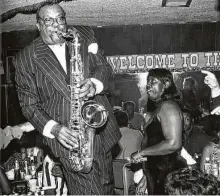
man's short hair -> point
(187, 111)
(190, 80)
(121, 118)
(126, 103)
(44, 4)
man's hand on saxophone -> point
(66, 137)
(87, 89)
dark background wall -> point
(141, 39)
(119, 40)
(161, 38)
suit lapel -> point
(50, 66)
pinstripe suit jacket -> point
(44, 95)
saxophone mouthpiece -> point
(70, 35)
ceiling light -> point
(176, 3)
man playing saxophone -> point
(42, 78)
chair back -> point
(123, 176)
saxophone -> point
(85, 116)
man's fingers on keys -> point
(63, 142)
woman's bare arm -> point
(170, 117)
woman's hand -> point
(137, 158)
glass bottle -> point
(207, 166)
(215, 169)
(17, 171)
(33, 170)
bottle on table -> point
(33, 170)
(142, 128)
(27, 175)
(219, 170)
(207, 166)
(215, 168)
(17, 171)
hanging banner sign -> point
(174, 62)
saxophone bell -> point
(94, 114)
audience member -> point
(209, 122)
(212, 149)
(30, 144)
(135, 119)
(131, 139)
(6, 136)
(13, 132)
(211, 80)
(188, 181)
(189, 96)
(194, 138)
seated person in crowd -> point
(212, 149)
(30, 144)
(211, 80)
(190, 96)
(131, 139)
(6, 136)
(15, 132)
(194, 138)
(189, 181)
(135, 119)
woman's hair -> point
(164, 75)
(188, 181)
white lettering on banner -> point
(124, 64)
(216, 59)
(185, 60)
(194, 60)
(160, 61)
(171, 57)
(175, 62)
(140, 62)
(149, 61)
(208, 55)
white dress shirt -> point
(60, 53)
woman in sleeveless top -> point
(163, 134)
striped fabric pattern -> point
(44, 95)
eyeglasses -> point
(50, 21)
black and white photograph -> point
(110, 97)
